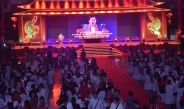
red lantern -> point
(14, 19)
(169, 15)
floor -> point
(56, 91)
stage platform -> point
(92, 44)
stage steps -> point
(100, 51)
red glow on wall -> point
(81, 5)
(43, 4)
(51, 5)
(37, 5)
(110, 3)
(144, 2)
(130, 2)
(96, 4)
(58, 5)
(87, 4)
(102, 5)
(125, 2)
(73, 4)
(66, 5)
(116, 3)
(139, 2)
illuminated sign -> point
(154, 25)
(30, 29)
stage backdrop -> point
(120, 25)
(128, 25)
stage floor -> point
(92, 44)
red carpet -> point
(123, 81)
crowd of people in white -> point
(26, 83)
(162, 70)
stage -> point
(105, 44)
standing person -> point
(74, 104)
(50, 78)
(84, 91)
(158, 104)
(178, 34)
(83, 55)
(130, 101)
(95, 102)
(49, 56)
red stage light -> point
(125, 2)
(73, 4)
(110, 4)
(102, 5)
(52, 5)
(66, 6)
(96, 4)
(87, 4)
(81, 5)
(116, 3)
(37, 5)
(43, 4)
(58, 5)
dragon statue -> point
(30, 29)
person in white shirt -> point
(116, 104)
(66, 103)
(50, 80)
(95, 102)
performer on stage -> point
(178, 35)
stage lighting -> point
(71, 41)
(4, 45)
(128, 39)
(115, 40)
(57, 41)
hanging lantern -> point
(14, 26)
(14, 19)
(169, 15)
(169, 21)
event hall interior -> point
(91, 54)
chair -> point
(102, 95)
(147, 84)
(2, 101)
(29, 84)
(136, 74)
(69, 94)
(23, 97)
(7, 98)
(181, 78)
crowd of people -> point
(86, 86)
(26, 82)
(161, 69)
